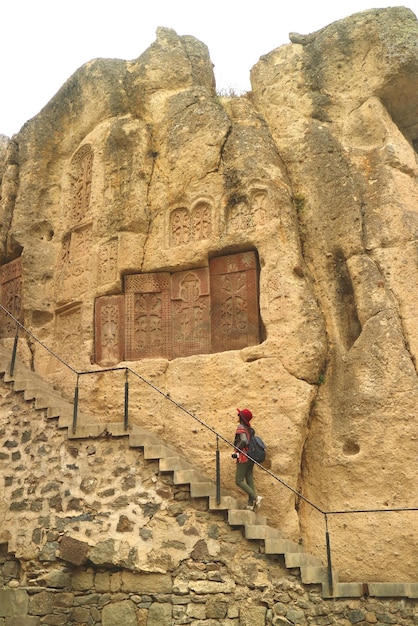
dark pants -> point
(244, 478)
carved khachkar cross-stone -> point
(81, 179)
(190, 312)
(147, 319)
(234, 301)
(197, 311)
(187, 226)
(109, 329)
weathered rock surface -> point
(137, 173)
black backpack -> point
(256, 448)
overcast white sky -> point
(43, 42)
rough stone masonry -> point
(253, 251)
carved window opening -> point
(11, 296)
(171, 315)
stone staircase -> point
(254, 526)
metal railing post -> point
(218, 472)
(75, 411)
(329, 560)
(126, 405)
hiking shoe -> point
(249, 507)
(257, 503)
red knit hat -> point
(246, 415)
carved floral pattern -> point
(197, 311)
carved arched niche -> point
(81, 174)
(196, 311)
(190, 224)
(249, 209)
(75, 269)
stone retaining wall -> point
(197, 593)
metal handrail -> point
(218, 435)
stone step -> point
(172, 463)
(157, 451)
(412, 590)
(23, 377)
(311, 574)
(64, 412)
(276, 545)
(296, 559)
(116, 429)
(184, 476)
(87, 431)
(382, 590)
(35, 391)
(91, 429)
(141, 439)
(202, 490)
(243, 517)
(55, 406)
(226, 503)
(257, 531)
(65, 421)
(343, 590)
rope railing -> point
(219, 437)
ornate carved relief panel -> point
(180, 228)
(250, 211)
(190, 312)
(68, 330)
(110, 329)
(259, 207)
(234, 297)
(240, 217)
(81, 179)
(147, 318)
(108, 262)
(198, 311)
(11, 295)
(187, 226)
(118, 181)
(201, 221)
(76, 267)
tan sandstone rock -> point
(136, 179)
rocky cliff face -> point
(251, 251)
